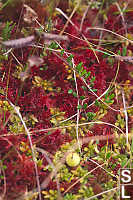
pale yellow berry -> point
(72, 159)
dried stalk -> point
(24, 42)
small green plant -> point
(90, 115)
(109, 96)
(70, 196)
(6, 32)
(54, 45)
(70, 91)
(69, 60)
(94, 4)
(82, 71)
(51, 194)
(123, 52)
(5, 3)
(120, 121)
(86, 191)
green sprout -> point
(6, 32)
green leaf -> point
(92, 79)
(82, 97)
(41, 69)
(62, 52)
(119, 52)
(90, 115)
(84, 88)
(109, 101)
(1, 177)
(94, 90)
(124, 51)
(79, 67)
(114, 165)
(108, 155)
(97, 103)
(106, 95)
(70, 91)
(83, 72)
(108, 54)
(48, 133)
(103, 148)
(6, 32)
(79, 106)
(132, 146)
(110, 60)
(53, 45)
(112, 96)
(74, 94)
(4, 57)
(44, 68)
(85, 105)
(97, 141)
(87, 74)
(123, 162)
(69, 58)
(70, 196)
(4, 167)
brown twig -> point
(19, 43)
(24, 42)
(50, 36)
(125, 58)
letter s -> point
(126, 176)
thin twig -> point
(82, 124)
(83, 18)
(121, 14)
(125, 58)
(69, 19)
(19, 43)
(85, 39)
(16, 109)
(51, 36)
(52, 165)
(107, 30)
(126, 115)
(97, 195)
(78, 113)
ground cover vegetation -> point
(66, 92)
